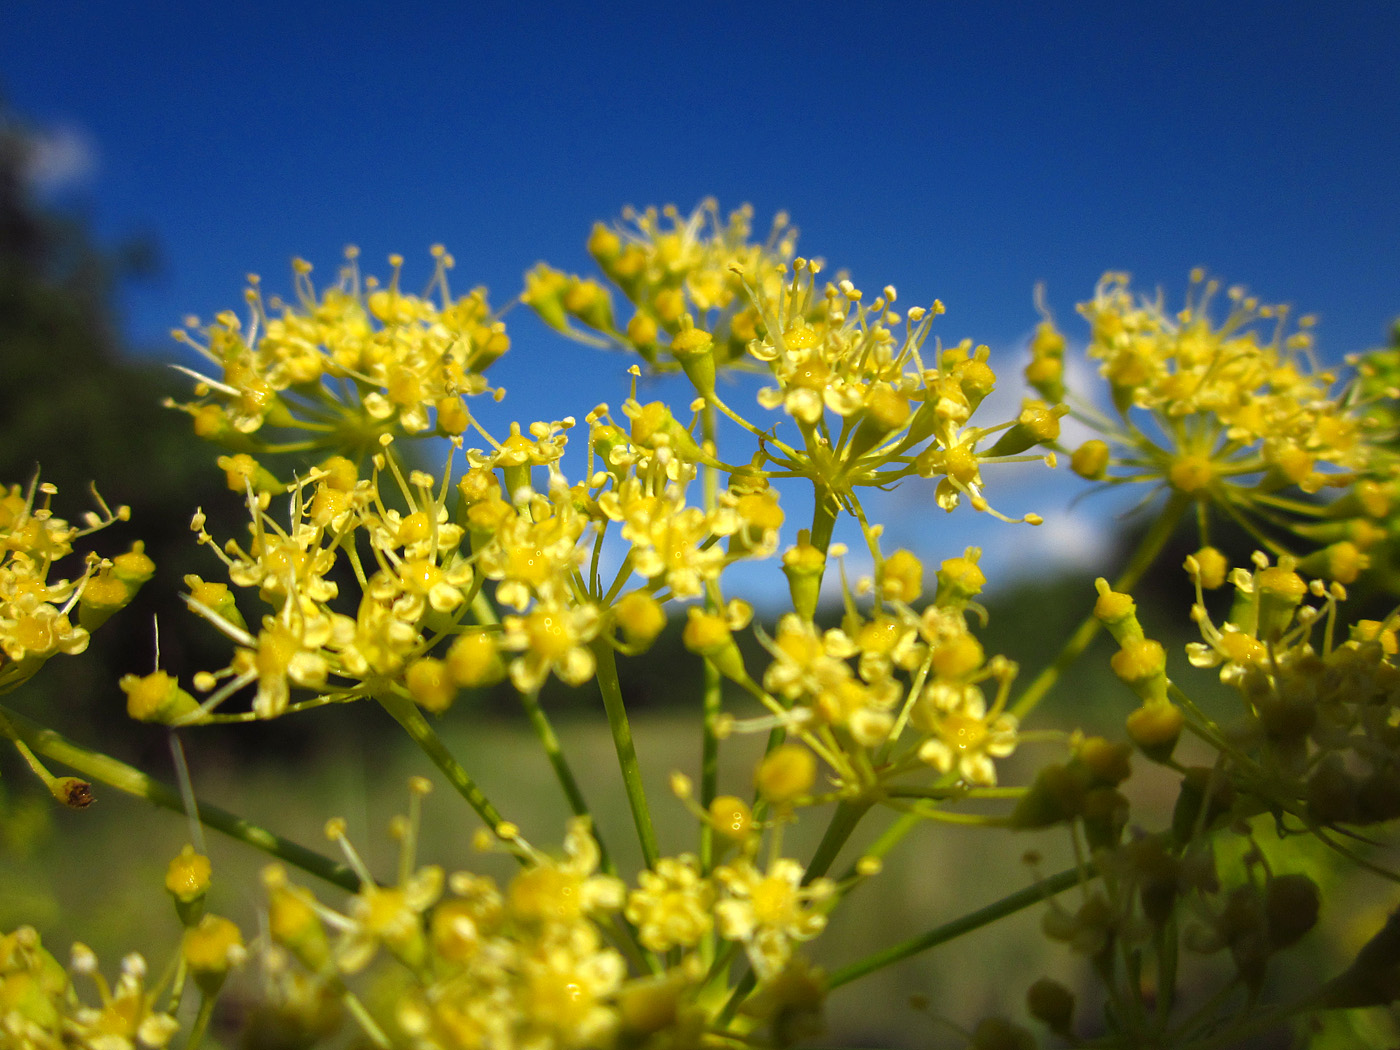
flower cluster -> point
(35, 605)
(726, 303)
(1323, 711)
(548, 549)
(536, 962)
(341, 367)
(676, 273)
(1218, 412)
(40, 1004)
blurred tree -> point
(78, 410)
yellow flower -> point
(127, 1017)
(551, 637)
(671, 906)
(369, 357)
(768, 911)
(562, 892)
(1218, 411)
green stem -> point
(843, 822)
(201, 1022)
(824, 515)
(823, 518)
(132, 781)
(713, 699)
(367, 1023)
(406, 713)
(709, 759)
(611, 689)
(1142, 559)
(562, 772)
(975, 920)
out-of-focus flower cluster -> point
(564, 954)
(42, 1006)
(1324, 710)
(675, 272)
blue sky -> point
(959, 150)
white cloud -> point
(60, 158)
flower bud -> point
(803, 566)
(1342, 561)
(187, 879)
(960, 579)
(786, 773)
(452, 416)
(694, 349)
(211, 949)
(242, 471)
(1117, 612)
(731, 817)
(886, 410)
(1090, 460)
(544, 289)
(431, 684)
(640, 616)
(1107, 762)
(902, 577)
(1142, 664)
(217, 598)
(604, 244)
(292, 921)
(1205, 797)
(1052, 1004)
(113, 587)
(1331, 793)
(1209, 567)
(1046, 377)
(589, 301)
(651, 1004)
(1291, 904)
(1280, 591)
(708, 635)
(474, 662)
(1038, 424)
(1155, 727)
(156, 697)
(1190, 473)
(1056, 795)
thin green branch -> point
(611, 690)
(407, 714)
(127, 779)
(975, 920)
(549, 740)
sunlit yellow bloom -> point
(1228, 411)
(551, 637)
(35, 622)
(347, 364)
